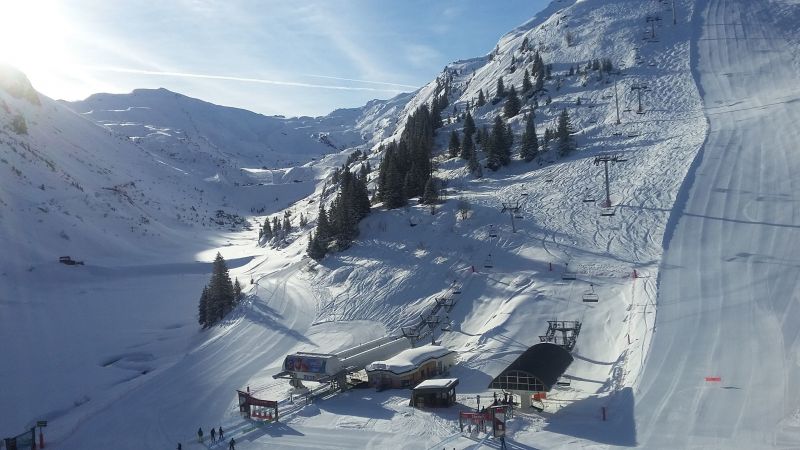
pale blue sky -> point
(273, 57)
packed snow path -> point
(727, 302)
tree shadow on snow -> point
(583, 419)
(257, 311)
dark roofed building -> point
(535, 370)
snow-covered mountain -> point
(700, 243)
(197, 135)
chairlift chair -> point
(590, 296)
(569, 276)
(492, 232)
(608, 211)
(488, 263)
(588, 197)
(448, 324)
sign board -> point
(41, 423)
(499, 421)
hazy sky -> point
(274, 57)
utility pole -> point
(605, 159)
(512, 209)
(674, 20)
(639, 88)
(616, 99)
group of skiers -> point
(216, 436)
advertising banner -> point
(309, 364)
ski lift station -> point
(334, 368)
(534, 372)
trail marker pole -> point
(616, 99)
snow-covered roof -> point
(410, 359)
(437, 383)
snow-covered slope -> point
(152, 379)
(728, 304)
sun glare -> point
(33, 36)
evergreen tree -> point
(361, 196)
(324, 232)
(530, 142)
(343, 214)
(202, 308)
(501, 90)
(392, 193)
(526, 82)
(266, 234)
(481, 99)
(220, 295)
(483, 136)
(498, 149)
(436, 112)
(469, 125)
(473, 165)
(513, 104)
(431, 195)
(467, 147)
(315, 249)
(566, 142)
(508, 142)
(237, 292)
(276, 225)
(287, 225)
(454, 147)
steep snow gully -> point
(727, 297)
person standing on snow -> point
(200, 435)
(221, 436)
(232, 445)
(213, 435)
(179, 446)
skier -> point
(213, 435)
(232, 445)
(221, 436)
(200, 435)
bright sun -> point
(33, 35)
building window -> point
(518, 381)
